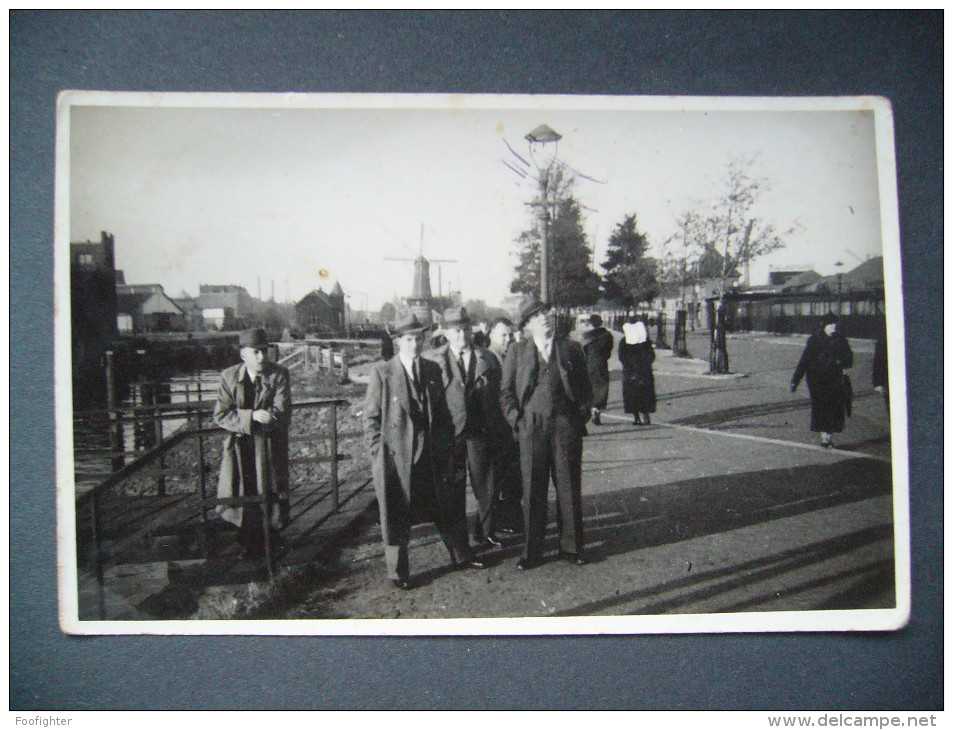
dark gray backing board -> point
(896, 55)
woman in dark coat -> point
(597, 343)
(825, 357)
(638, 383)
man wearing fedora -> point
(254, 407)
(409, 433)
(472, 387)
(546, 397)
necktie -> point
(415, 368)
(463, 366)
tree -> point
(729, 230)
(631, 276)
(572, 281)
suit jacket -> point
(389, 433)
(477, 410)
(520, 371)
(270, 443)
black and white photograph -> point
(432, 364)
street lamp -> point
(543, 143)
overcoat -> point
(389, 436)
(638, 382)
(520, 371)
(823, 361)
(477, 410)
(597, 344)
(269, 443)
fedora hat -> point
(406, 324)
(529, 306)
(456, 317)
(594, 319)
(254, 337)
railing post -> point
(160, 476)
(334, 455)
(118, 459)
(97, 558)
(201, 460)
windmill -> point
(421, 298)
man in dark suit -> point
(409, 433)
(472, 386)
(506, 459)
(546, 397)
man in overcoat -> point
(546, 397)
(597, 343)
(254, 406)
(472, 386)
(409, 433)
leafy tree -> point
(572, 280)
(631, 275)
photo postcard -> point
(344, 364)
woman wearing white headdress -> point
(638, 383)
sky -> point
(272, 191)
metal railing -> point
(131, 523)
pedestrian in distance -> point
(879, 372)
(254, 407)
(597, 343)
(638, 382)
(471, 382)
(409, 433)
(826, 355)
(546, 397)
(506, 463)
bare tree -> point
(729, 227)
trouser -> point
(472, 455)
(551, 447)
(508, 483)
(447, 512)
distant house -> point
(146, 308)
(320, 312)
(93, 310)
(188, 305)
(225, 306)
(867, 277)
(711, 275)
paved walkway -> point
(726, 503)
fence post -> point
(334, 454)
(118, 447)
(344, 368)
(201, 460)
(98, 565)
(157, 423)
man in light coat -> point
(409, 433)
(254, 407)
(472, 386)
(546, 397)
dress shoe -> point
(528, 563)
(508, 531)
(572, 558)
(402, 583)
(493, 540)
(472, 563)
